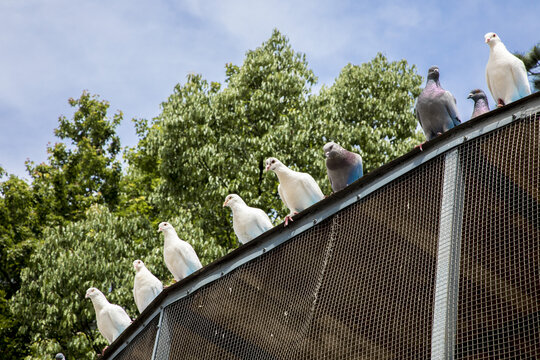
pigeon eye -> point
(273, 161)
(494, 35)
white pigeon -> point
(111, 318)
(180, 258)
(297, 190)
(145, 286)
(505, 73)
(248, 222)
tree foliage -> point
(84, 221)
(83, 171)
(531, 59)
(79, 172)
(97, 251)
(211, 139)
(19, 228)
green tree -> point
(83, 171)
(368, 108)
(211, 139)
(98, 251)
(532, 63)
(78, 173)
(19, 226)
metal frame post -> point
(447, 275)
(156, 341)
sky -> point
(132, 53)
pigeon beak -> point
(86, 296)
(267, 168)
(159, 230)
(326, 154)
(470, 96)
(225, 204)
(487, 40)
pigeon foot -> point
(420, 146)
(289, 218)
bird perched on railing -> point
(481, 105)
(248, 222)
(506, 75)
(111, 319)
(297, 190)
(436, 108)
(343, 167)
(179, 256)
(145, 286)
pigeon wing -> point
(311, 188)
(521, 81)
(190, 257)
(116, 320)
(418, 117)
(263, 222)
(450, 104)
(119, 318)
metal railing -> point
(432, 256)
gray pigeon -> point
(436, 108)
(343, 167)
(481, 105)
(60, 356)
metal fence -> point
(433, 256)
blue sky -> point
(132, 53)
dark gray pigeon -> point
(60, 356)
(481, 105)
(436, 108)
(343, 167)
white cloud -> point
(132, 53)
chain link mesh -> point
(499, 287)
(335, 291)
(360, 284)
(143, 345)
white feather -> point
(111, 319)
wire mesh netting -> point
(143, 345)
(336, 290)
(499, 287)
(363, 283)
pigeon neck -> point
(481, 104)
(99, 302)
(497, 47)
(433, 82)
(237, 205)
(283, 172)
(170, 236)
